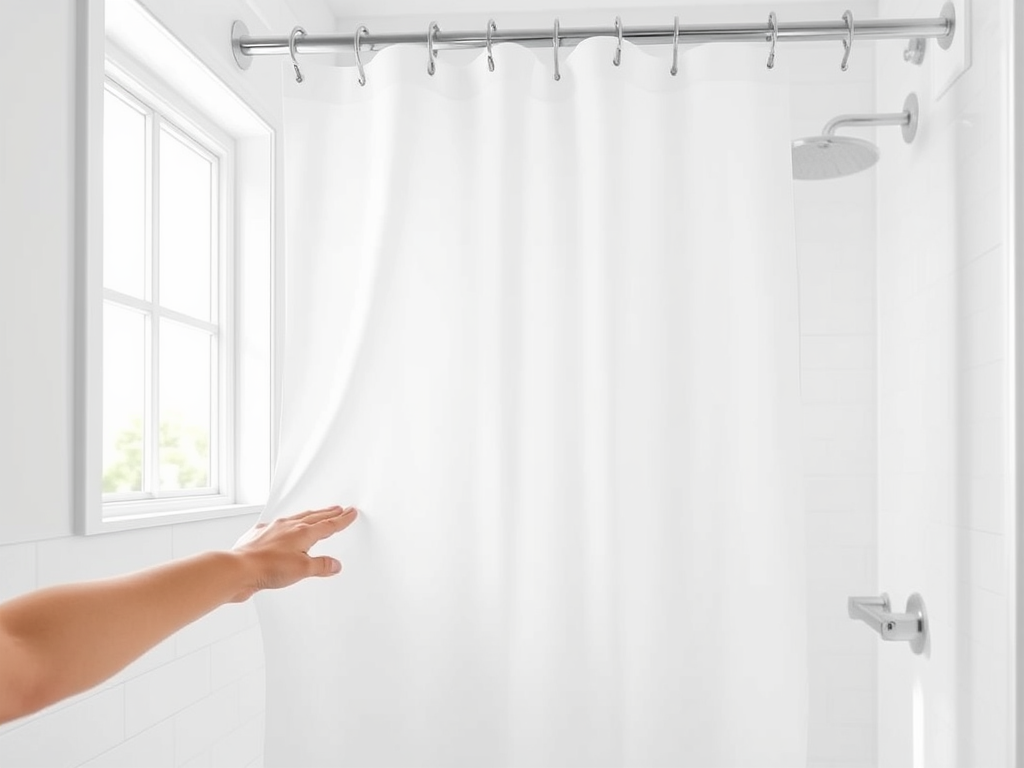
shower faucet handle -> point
(876, 612)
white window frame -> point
(166, 110)
(199, 104)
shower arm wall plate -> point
(238, 31)
(907, 120)
(952, 57)
(911, 626)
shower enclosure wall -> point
(944, 389)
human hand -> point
(277, 555)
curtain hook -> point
(491, 27)
(675, 49)
(291, 49)
(554, 47)
(773, 23)
(360, 31)
(848, 42)
(432, 30)
(618, 49)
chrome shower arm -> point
(866, 121)
(876, 613)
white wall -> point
(835, 223)
(197, 698)
(943, 392)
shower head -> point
(829, 156)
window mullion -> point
(153, 219)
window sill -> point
(132, 515)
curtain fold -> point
(545, 336)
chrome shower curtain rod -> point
(941, 28)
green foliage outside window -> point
(184, 458)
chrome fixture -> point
(876, 612)
(848, 42)
(432, 32)
(914, 52)
(942, 28)
(617, 60)
(492, 27)
(291, 51)
(829, 156)
(360, 31)
(555, 42)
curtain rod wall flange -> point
(941, 28)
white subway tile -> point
(841, 529)
(844, 493)
(827, 600)
(982, 449)
(842, 742)
(981, 226)
(218, 625)
(983, 335)
(983, 395)
(851, 706)
(987, 567)
(81, 558)
(837, 387)
(69, 736)
(987, 619)
(199, 726)
(237, 656)
(836, 456)
(984, 503)
(153, 748)
(17, 570)
(853, 352)
(846, 670)
(834, 312)
(166, 690)
(984, 281)
(841, 565)
(202, 760)
(240, 747)
(204, 535)
(252, 694)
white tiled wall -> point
(943, 290)
(197, 699)
(835, 223)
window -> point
(166, 332)
(175, 281)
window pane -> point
(186, 220)
(124, 398)
(124, 197)
(186, 417)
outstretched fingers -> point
(313, 515)
(312, 532)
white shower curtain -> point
(544, 334)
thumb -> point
(323, 566)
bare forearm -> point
(76, 636)
(59, 641)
